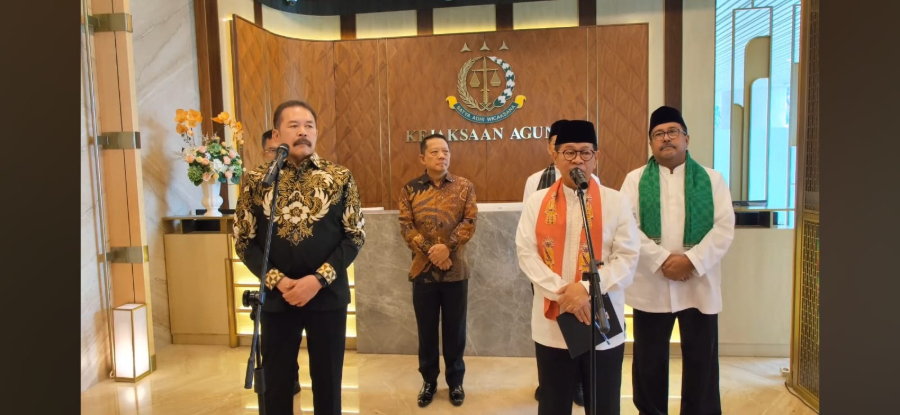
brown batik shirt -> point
(432, 215)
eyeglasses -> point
(585, 155)
(672, 133)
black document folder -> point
(578, 334)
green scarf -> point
(698, 202)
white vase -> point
(211, 198)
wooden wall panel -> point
(593, 77)
(304, 70)
(420, 77)
(369, 93)
(250, 87)
(551, 72)
(623, 86)
(359, 143)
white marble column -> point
(166, 79)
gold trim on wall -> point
(128, 254)
(119, 140)
(111, 22)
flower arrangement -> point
(211, 159)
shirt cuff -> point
(698, 267)
(587, 286)
(272, 278)
(422, 243)
(327, 272)
(660, 259)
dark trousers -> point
(700, 357)
(326, 334)
(558, 373)
(445, 302)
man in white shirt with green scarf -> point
(686, 220)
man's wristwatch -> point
(321, 279)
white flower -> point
(218, 166)
(502, 99)
(505, 66)
(295, 212)
(507, 91)
(511, 84)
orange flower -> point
(238, 127)
(222, 118)
(194, 115)
(180, 116)
(190, 133)
(180, 129)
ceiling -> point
(347, 7)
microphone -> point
(578, 177)
(280, 156)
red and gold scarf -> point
(551, 233)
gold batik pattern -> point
(272, 278)
(305, 195)
(327, 272)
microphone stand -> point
(255, 300)
(598, 311)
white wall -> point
(387, 24)
(545, 14)
(465, 19)
(299, 25)
(698, 72)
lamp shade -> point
(132, 339)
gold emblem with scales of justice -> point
(484, 78)
(474, 82)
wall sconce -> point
(132, 352)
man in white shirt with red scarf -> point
(686, 221)
(552, 252)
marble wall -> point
(166, 78)
(499, 309)
(94, 328)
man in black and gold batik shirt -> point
(318, 232)
(437, 218)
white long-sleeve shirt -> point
(652, 292)
(531, 183)
(621, 247)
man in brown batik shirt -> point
(437, 218)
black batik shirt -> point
(318, 229)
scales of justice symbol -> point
(490, 74)
(474, 82)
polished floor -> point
(209, 380)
